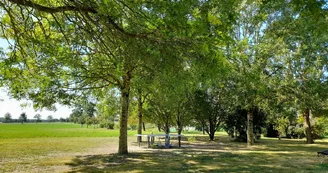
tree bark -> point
(123, 138)
(211, 130)
(159, 127)
(203, 128)
(144, 127)
(211, 136)
(140, 116)
(179, 123)
(179, 137)
(307, 126)
(250, 134)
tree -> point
(304, 81)
(76, 113)
(208, 111)
(38, 118)
(7, 117)
(281, 125)
(61, 119)
(50, 118)
(253, 55)
(23, 117)
(71, 48)
(236, 123)
(89, 121)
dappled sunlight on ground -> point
(196, 155)
(222, 155)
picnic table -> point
(151, 138)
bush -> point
(299, 131)
(318, 131)
(133, 127)
(106, 124)
(117, 126)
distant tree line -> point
(23, 119)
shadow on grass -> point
(221, 155)
(185, 160)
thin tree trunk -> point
(159, 127)
(140, 116)
(167, 132)
(123, 138)
(144, 127)
(203, 128)
(250, 135)
(211, 130)
(179, 127)
(307, 125)
(179, 137)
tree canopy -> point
(237, 54)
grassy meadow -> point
(54, 130)
(63, 147)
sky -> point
(13, 106)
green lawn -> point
(69, 148)
(43, 130)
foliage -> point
(282, 124)
(7, 118)
(50, 118)
(83, 112)
(299, 131)
(235, 123)
(23, 117)
(37, 117)
(106, 123)
(208, 111)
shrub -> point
(318, 131)
(106, 124)
(299, 131)
(133, 127)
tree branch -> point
(82, 9)
(52, 9)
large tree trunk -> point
(307, 126)
(123, 138)
(140, 116)
(250, 134)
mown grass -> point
(29, 130)
(268, 155)
(69, 148)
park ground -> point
(69, 148)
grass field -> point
(69, 148)
(54, 130)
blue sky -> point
(13, 106)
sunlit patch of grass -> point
(271, 155)
(42, 130)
